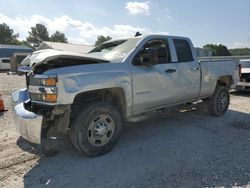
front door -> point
(154, 86)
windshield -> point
(115, 50)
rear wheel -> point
(96, 129)
(218, 103)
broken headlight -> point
(43, 88)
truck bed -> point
(212, 70)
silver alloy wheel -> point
(223, 101)
(100, 130)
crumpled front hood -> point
(41, 56)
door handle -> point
(170, 70)
(195, 68)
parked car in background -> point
(120, 80)
(4, 63)
(244, 83)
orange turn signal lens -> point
(50, 97)
(50, 81)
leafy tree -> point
(7, 35)
(37, 35)
(217, 50)
(58, 37)
(240, 51)
(101, 39)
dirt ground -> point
(180, 148)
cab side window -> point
(183, 50)
(161, 48)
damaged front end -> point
(38, 109)
(32, 116)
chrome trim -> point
(20, 96)
(42, 89)
(44, 76)
(45, 102)
(28, 124)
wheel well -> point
(225, 81)
(114, 96)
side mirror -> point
(146, 58)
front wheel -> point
(218, 103)
(96, 129)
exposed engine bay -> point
(41, 61)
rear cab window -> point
(183, 50)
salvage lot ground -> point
(180, 148)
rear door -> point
(188, 70)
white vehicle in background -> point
(244, 83)
(4, 63)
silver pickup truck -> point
(118, 81)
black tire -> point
(218, 103)
(84, 125)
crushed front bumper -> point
(28, 124)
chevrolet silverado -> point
(91, 95)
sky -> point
(214, 21)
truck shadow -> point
(171, 149)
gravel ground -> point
(185, 147)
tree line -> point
(36, 36)
(240, 51)
(222, 50)
(39, 33)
